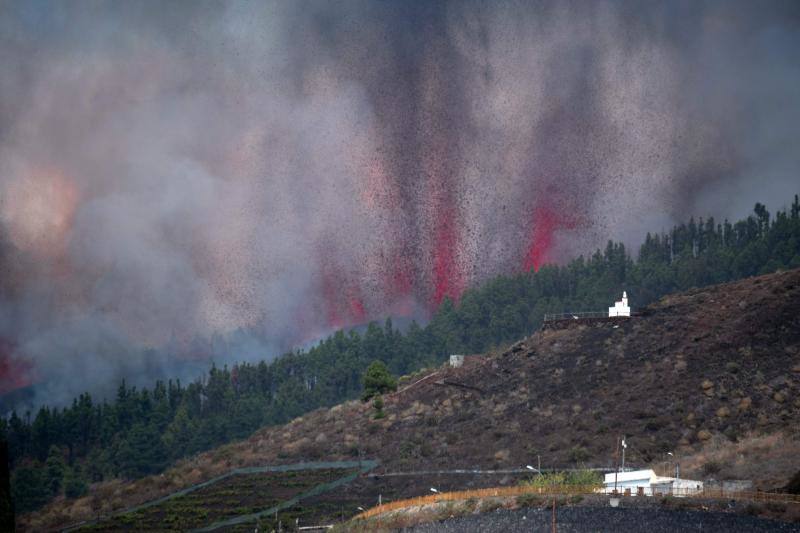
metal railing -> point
(568, 490)
(549, 317)
(712, 493)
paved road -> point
(605, 519)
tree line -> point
(143, 430)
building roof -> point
(634, 475)
(649, 477)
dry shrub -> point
(491, 504)
(222, 454)
(312, 450)
(409, 517)
(61, 517)
(768, 460)
(249, 457)
(529, 500)
(163, 483)
(711, 468)
(95, 503)
(80, 509)
(293, 447)
(147, 484)
(194, 476)
(209, 470)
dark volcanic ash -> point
(257, 174)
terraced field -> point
(234, 496)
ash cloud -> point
(192, 180)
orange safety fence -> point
(571, 490)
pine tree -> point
(74, 484)
(55, 470)
(30, 488)
(377, 380)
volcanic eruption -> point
(298, 167)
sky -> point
(183, 179)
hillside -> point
(142, 431)
(708, 374)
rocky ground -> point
(601, 519)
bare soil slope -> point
(698, 372)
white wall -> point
(629, 484)
(620, 308)
(456, 360)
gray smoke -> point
(188, 180)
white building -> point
(629, 480)
(650, 484)
(620, 308)
(676, 486)
(457, 361)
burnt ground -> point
(719, 363)
(708, 369)
(603, 519)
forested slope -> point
(141, 431)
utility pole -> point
(616, 465)
(624, 445)
(554, 514)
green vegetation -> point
(575, 478)
(143, 430)
(578, 454)
(74, 484)
(377, 381)
(377, 403)
(529, 500)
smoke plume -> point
(187, 180)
